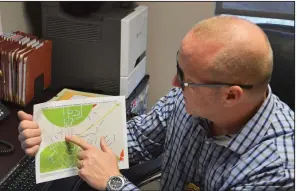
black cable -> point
(10, 147)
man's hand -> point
(95, 165)
(29, 134)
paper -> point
(67, 94)
(88, 118)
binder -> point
(25, 67)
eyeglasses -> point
(180, 76)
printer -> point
(102, 51)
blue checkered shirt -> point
(259, 157)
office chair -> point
(282, 40)
(282, 84)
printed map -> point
(90, 119)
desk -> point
(9, 132)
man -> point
(220, 128)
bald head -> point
(231, 49)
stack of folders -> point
(25, 67)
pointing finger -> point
(79, 142)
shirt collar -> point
(255, 129)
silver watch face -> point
(116, 182)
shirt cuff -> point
(129, 186)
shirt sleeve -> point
(146, 133)
(129, 187)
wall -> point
(168, 22)
(14, 17)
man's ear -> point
(232, 96)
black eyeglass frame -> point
(180, 76)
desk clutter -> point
(25, 67)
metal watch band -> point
(123, 177)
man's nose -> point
(175, 81)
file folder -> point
(25, 67)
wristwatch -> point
(116, 182)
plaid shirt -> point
(259, 157)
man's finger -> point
(32, 150)
(24, 116)
(31, 142)
(79, 142)
(79, 164)
(29, 133)
(26, 124)
(81, 155)
(82, 174)
(104, 146)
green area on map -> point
(67, 116)
(57, 156)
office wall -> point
(14, 17)
(168, 22)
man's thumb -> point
(104, 145)
(24, 116)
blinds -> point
(276, 9)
